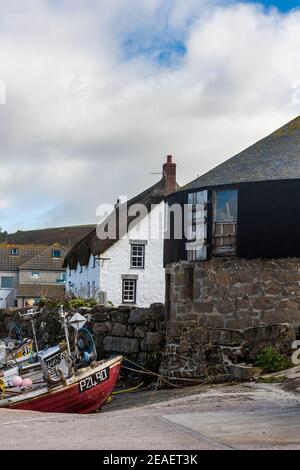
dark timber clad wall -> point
(174, 250)
(268, 221)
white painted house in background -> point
(128, 269)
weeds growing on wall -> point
(272, 360)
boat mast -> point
(63, 315)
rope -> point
(128, 389)
(161, 376)
(151, 373)
(2, 389)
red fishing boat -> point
(84, 392)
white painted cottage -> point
(126, 269)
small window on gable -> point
(56, 254)
(14, 251)
(225, 222)
(35, 275)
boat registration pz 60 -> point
(93, 380)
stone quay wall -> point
(226, 310)
(137, 333)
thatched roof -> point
(276, 157)
(92, 245)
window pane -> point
(226, 206)
(7, 282)
(129, 289)
(56, 253)
(137, 256)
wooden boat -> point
(84, 392)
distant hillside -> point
(66, 236)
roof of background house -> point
(44, 261)
(91, 244)
(275, 157)
(66, 236)
(9, 262)
(41, 291)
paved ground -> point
(247, 416)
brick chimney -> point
(169, 173)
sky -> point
(98, 92)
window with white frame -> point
(35, 275)
(61, 278)
(137, 259)
(14, 251)
(129, 291)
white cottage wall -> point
(114, 264)
(78, 279)
(151, 279)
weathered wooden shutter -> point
(196, 245)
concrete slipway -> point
(240, 416)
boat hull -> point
(72, 398)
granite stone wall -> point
(214, 307)
(137, 333)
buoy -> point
(17, 381)
(26, 383)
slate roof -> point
(32, 291)
(9, 262)
(30, 257)
(44, 261)
(66, 236)
(275, 157)
(91, 244)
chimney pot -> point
(169, 158)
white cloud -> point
(84, 123)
